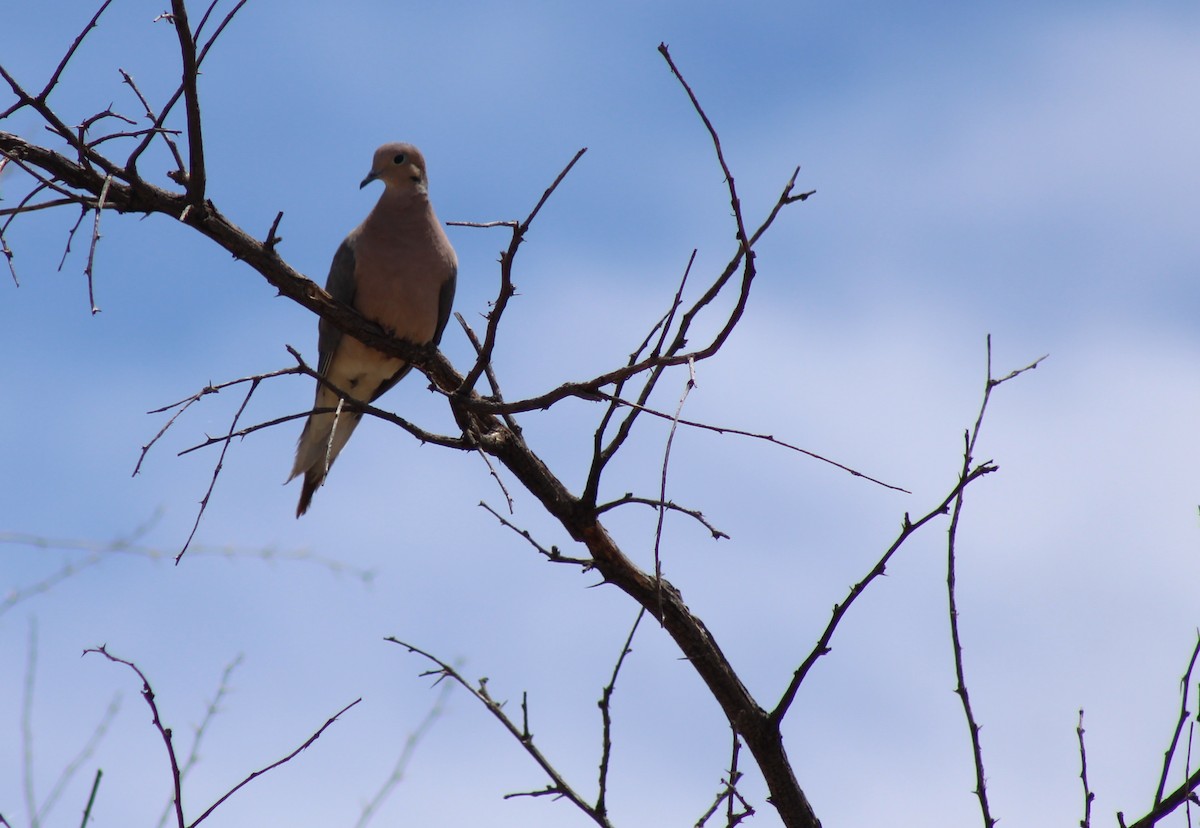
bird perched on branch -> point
(398, 269)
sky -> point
(1026, 171)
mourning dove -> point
(398, 269)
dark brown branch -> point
(197, 178)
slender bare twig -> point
(220, 28)
(558, 786)
(662, 484)
(308, 742)
(729, 794)
(769, 438)
(163, 731)
(83, 211)
(552, 554)
(217, 470)
(908, 527)
(210, 713)
(605, 705)
(956, 642)
(663, 504)
(601, 453)
(496, 476)
(180, 167)
(488, 371)
(506, 284)
(89, 270)
(411, 743)
(969, 442)
(62, 64)
(1088, 796)
(1184, 692)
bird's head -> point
(400, 167)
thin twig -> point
(769, 438)
(62, 64)
(552, 554)
(605, 705)
(91, 260)
(217, 470)
(1185, 686)
(664, 504)
(180, 167)
(1088, 796)
(908, 527)
(496, 476)
(558, 786)
(662, 486)
(163, 731)
(273, 765)
(506, 284)
(210, 713)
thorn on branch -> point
(273, 239)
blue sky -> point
(1020, 170)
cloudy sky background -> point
(1026, 171)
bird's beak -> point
(371, 176)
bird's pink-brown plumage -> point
(396, 268)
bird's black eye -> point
(399, 159)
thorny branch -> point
(558, 785)
(969, 440)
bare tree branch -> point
(558, 785)
(605, 705)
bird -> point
(399, 270)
